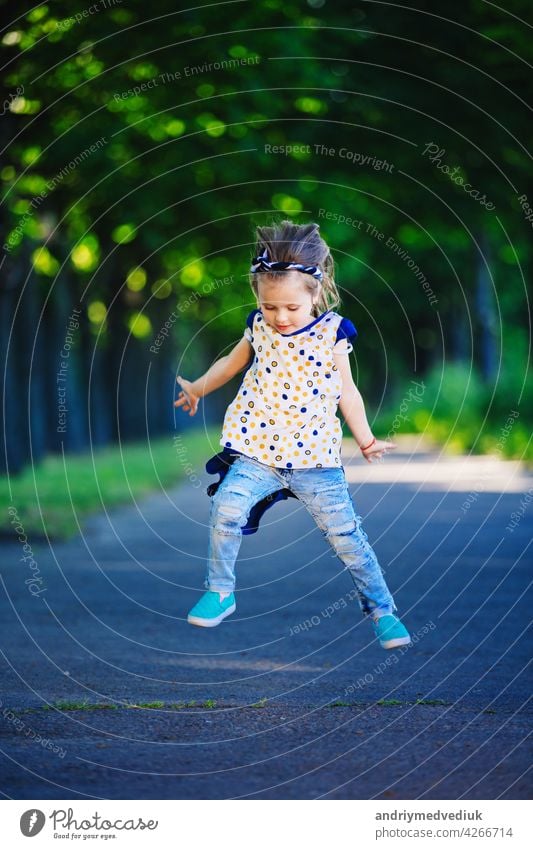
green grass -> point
(106, 478)
(209, 704)
(64, 705)
(85, 705)
(391, 703)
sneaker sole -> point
(211, 623)
(395, 643)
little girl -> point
(282, 429)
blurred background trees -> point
(134, 170)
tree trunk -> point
(486, 317)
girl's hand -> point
(187, 397)
(377, 450)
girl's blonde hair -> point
(285, 241)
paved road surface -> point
(292, 696)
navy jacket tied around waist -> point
(219, 464)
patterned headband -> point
(262, 263)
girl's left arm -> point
(352, 408)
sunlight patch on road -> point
(429, 470)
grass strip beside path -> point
(63, 489)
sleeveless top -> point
(284, 413)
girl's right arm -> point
(220, 372)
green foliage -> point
(138, 141)
(460, 410)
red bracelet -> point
(370, 444)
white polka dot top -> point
(284, 413)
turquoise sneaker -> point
(390, 632)
(210, 611)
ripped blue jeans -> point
(324, 492)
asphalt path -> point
(108, 693)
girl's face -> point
(286, 304)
